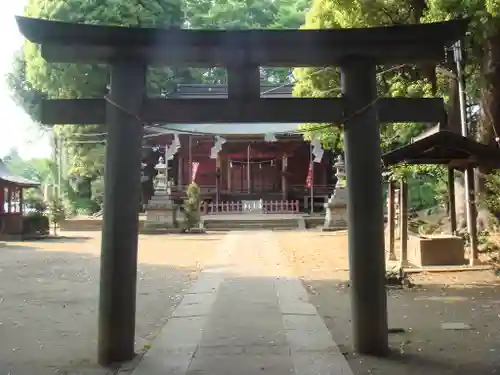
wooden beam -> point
(471, 217)
(451, 201)
(205, 57)
(279, 110)
(391, 219)
(403, 215)
(70, 42)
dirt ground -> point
(49, 298)
(471, 298)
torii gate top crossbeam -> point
(68, 42)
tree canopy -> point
(33, 78)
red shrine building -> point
(263, 161)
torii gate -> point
(126, 110)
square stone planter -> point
(436, 250)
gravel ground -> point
(49, 294)
(49, 297)
(471, 299)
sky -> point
(16, 128)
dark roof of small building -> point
(445, 148)
(219, 91)
(8, 176)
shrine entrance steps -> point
(247, 221)
(246, 314)
(221, 222)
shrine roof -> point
(204, 91)
(229, 129)
(72, 42)
(444, 148)
(8, 176)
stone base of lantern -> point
(337, 219)
(336, 211)
(161, 216)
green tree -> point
(245, 14)
(402, 81)
(56, 211)
(42, 170)
(22, 90)
(31, 75)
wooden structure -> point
(12, 223)
(450, 149)
(248, 167)
(126, 110)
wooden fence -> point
(248, 207)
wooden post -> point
(391, 220)
(122, 194)
(9, 199)
(249, 176)
(190, 158)
(284, 165)
(21, 199)
(311, 189)
(229, 174)
(217, 179)
(451, 201)
(180, 172)
(471, 216)
(403, 214)
(365, 208)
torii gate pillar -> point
(122, 194)
(365, 208)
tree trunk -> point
(489, 125)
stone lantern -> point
(336, 207)
(161, 211)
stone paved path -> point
(245, 315)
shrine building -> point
(257, 161)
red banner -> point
(309, 177)
(194, 170)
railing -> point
(240, 207)
(280, 207)
(222, 207)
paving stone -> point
(195, 305)
(245, 316)
(458, 326)
(243, 364)
(316, 363)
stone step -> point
(251, 224)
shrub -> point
(36, 203)
(36, 223)
(192, 206)
(57, 212)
